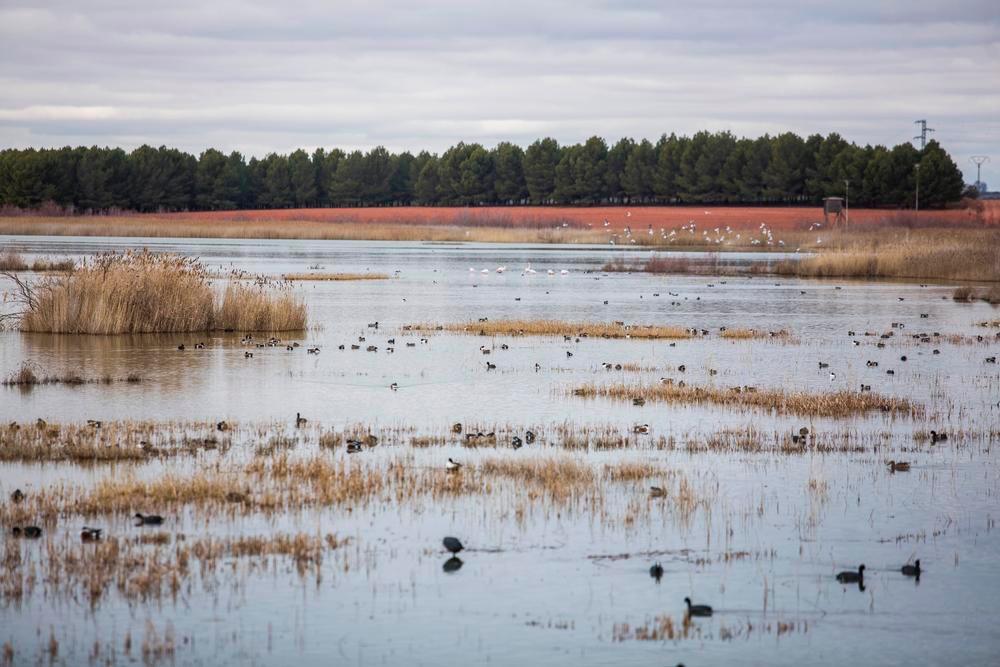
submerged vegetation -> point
(335, 276)
(151, 293)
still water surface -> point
(557, 584)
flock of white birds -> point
(526, 271)
(715, 235)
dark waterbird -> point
(148, 519)
(912, 570)
(849, 577)
(656, 572)
(697, 609)
(17, 496)
(32, 532)
(90, 534)
(452, 544)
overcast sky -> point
(261, 76)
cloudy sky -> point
(262, 76)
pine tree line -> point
(708, 167)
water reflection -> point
(452, 565)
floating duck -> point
(697, 609)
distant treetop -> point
(707, 167)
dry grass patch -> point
(107, 441)
(631, 471)
(558, 477)
(149, 293)
(559, 328)
(827, 404)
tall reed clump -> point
(256, 308)
(148, 292)
(939, 254)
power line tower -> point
(923, 132)
(979, 161)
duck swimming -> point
(912, 570)
(697, 609)
(148, 519)
(852, 577)
(90, 534)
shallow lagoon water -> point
(560, 582)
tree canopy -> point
(708, 167)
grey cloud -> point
(260, 76)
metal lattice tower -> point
(979, 161)
(923, 132)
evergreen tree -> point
(540, 162)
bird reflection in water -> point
(452, 565)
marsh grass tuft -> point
(827, 404)
(26, 377)
(559, 328)
(144, 292)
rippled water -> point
(560, 583)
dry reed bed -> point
(152, 566)
(108, 442)
(290, 481)
(739, 333)
(144, 441)
(335, 276)
(922, 254)
(26, 377)
(157, 227)
(12, 261)
(559, 328)
(827, 404)
(965, 293)
(149, 293)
